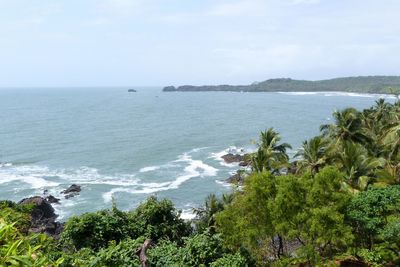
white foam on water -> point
(195, 168)
(149, 168)
(194, 150)
(5, 164)
(338, 93)
(35, 176)
(223, 183)
(298, 93)
(230, 150)
(187, 214)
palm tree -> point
(359, 168)
(313, 155)
(271, 155)
(348, 127)
(212, 205)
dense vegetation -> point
(363, 84)
(336, 203)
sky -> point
(175, 42)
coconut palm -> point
(348, 126)
(312, 155)
(205, 215)
(359, 168)
(271, 155)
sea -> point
(128, 146)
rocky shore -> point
(43, 218)
(243, 160)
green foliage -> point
(152, 219)
(19, 250)
(275, 211)
(230, 260)
(271, 155)
(375, 216)
(166, 253)
(159, 220)
(202, 249)
(122, 254)
(205, 215)
(95, 230)
(19, 215)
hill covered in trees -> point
(362, 84)
(337, 203)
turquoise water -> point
(128, 146)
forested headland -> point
(361, 84)
(336, 203)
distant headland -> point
(360, 84)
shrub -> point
(95, 230)
(157, 220)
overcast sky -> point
(175, 42)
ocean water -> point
(127, 146)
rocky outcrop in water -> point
(43, 218)
(71, 191)
(243, 160)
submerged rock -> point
(43, 218)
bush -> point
(202, 249)
(96, 230)
(159, 220)
(230, 260)
(166, 253)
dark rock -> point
(42, 208)
(132, 91)
(72, 189)
(43, 218)
(237, 178)
(244, 163)
(231, 158)
(52, 199)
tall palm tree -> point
(312, 155)
(359, 168)
(212, 205)
(348, 126)
(271, 155)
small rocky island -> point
(132, 91)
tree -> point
(359, 168)
(312, 155)
(347, 127)
(271, 155)
(375, 217)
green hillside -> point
(362, 84)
